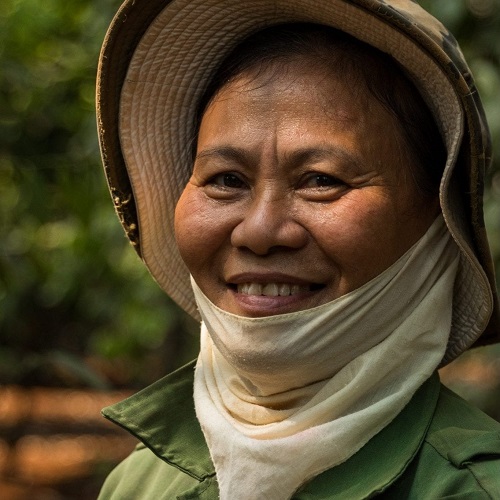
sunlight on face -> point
(300, 193)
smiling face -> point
(300, 192)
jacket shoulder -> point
(460, 455)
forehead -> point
(302, 87)
(329, 69)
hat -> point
(156, 62)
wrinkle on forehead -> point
(259, 91)
(261, 85)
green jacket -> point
(439, 446)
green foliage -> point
(68, 279)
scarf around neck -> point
(281, 399)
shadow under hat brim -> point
(156, 63)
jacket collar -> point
(162, 416)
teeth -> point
(271, 289)
(254, 289)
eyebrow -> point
(228, 153)
(318, 153)
(292, 159)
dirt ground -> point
(55, 445)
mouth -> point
(258, 294)
(274, 289)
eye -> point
(321, 187)
(227, 180)
(321, 181)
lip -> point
(263, 305)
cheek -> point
(188, 225)
(199, 234)
(364, 237)
(355, 240)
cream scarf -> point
(283, 398)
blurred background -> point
(81, 323)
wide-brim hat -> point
(157, 60)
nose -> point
(269, 224)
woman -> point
(306, 180)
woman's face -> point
(300, 193)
